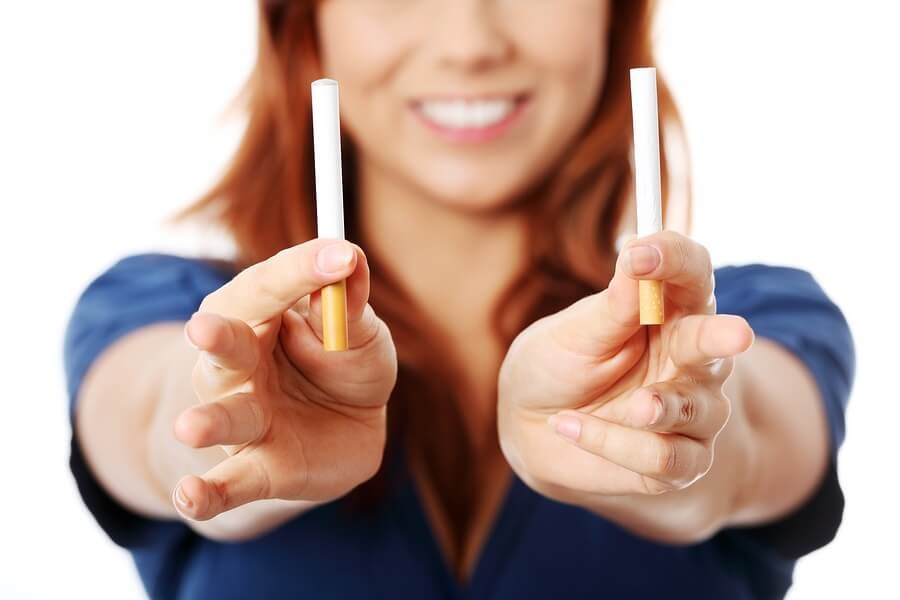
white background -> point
(112, 115)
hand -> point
(298, 423)
(592, 403)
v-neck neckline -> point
(516, 505)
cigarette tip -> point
(323, 82)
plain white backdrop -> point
(113, 115)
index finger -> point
(684, 264)
(235, 481)
(265, 290)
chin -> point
(477, 189)
(474, 198)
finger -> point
(269, 288)
(600, 324)
(229, 354)
(361, 322)
(229, 349)
(671, 459)
(234, 482)
(673, 406)
(699, 340)
(237, 419)
(357, 288)
(684, 264)
(303, 335)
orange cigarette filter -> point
(651, 299)
(334, 317)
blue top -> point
(538, 548)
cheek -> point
(353, 48)
(363, 54)
(580, 28)
(571, 55)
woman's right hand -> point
(297, 422)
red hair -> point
(266, 201)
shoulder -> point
(777, 297)
(761, 289)
(153, 276)
(150, 283)
(729, 277)
(163, 268)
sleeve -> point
(137, 291)
(788, 306)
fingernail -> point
(334, 257)
(187, 336)
(642, 259)
(657, 409)
(566, 426)
(181, 500)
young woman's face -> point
(466, 101)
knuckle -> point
(264, 285)
(594, 438)
(682, 253)
(220, 495)
(694, 378)
(665, 459)
(220, 421)
(687, 410)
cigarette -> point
(645, 117)
(329, 203)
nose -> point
(468, 36)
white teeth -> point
(466, 114)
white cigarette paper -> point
(645, 118)
(329, 203)
(327, 152)
(645, 115)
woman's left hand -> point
(590, 402)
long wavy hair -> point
(265, 200)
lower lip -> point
(474, 134)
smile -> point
(470, 119)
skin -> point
(673, 432)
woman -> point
(538, 441)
